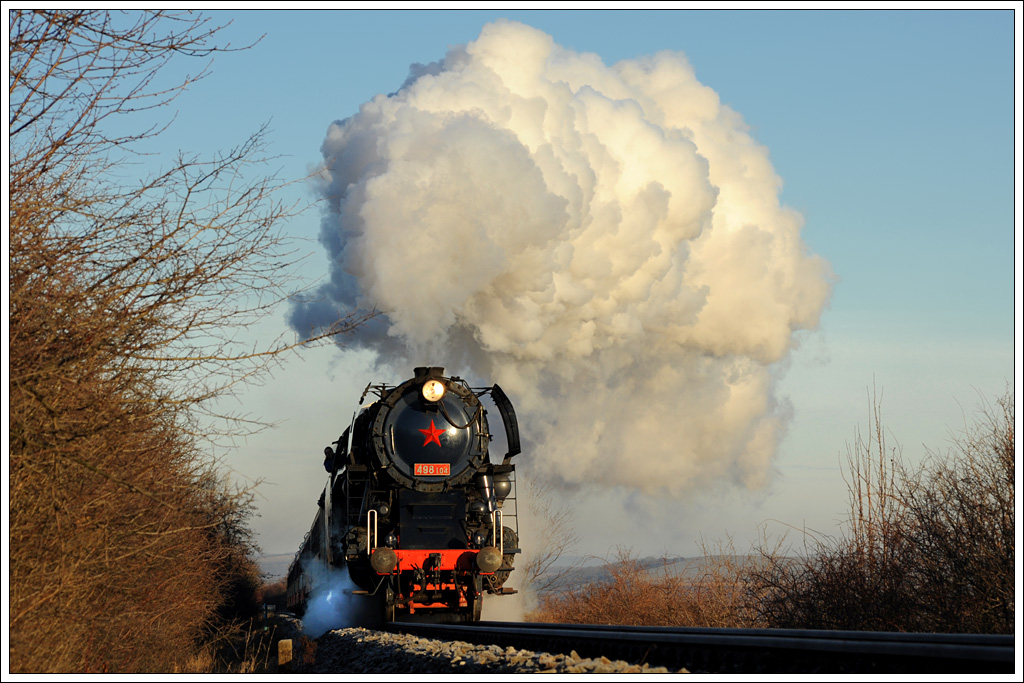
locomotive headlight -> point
(433, 390)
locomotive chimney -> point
(424, 372)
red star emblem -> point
(431, 434)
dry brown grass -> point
(246, 648)
(636, 595)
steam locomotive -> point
(414, 509)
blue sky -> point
(893, 133)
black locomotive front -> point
(415, 509)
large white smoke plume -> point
(606, 243)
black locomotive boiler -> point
(414, 509)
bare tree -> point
(928, 548)
(129, 300)
(553, 536)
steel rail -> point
(718, 650)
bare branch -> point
(130, 303)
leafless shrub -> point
(720, 593)
(929, 549)
(126, 299)
(962, 534)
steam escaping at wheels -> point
(333, 602)
(416, 522)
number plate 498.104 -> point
(432, 469)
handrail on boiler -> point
(371, 531)
(498, 540)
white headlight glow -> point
(433, 390)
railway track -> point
(745, 650)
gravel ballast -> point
(359, 650)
